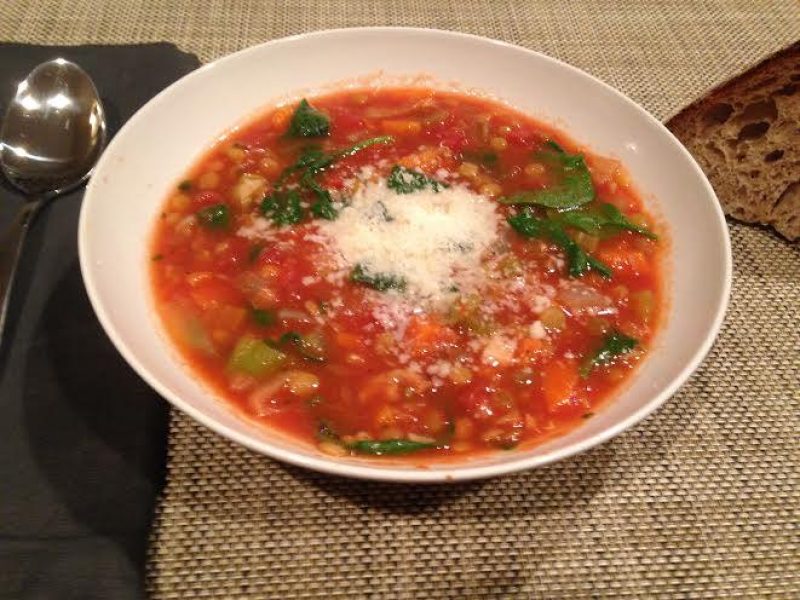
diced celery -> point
(196, 335)
(254, 357)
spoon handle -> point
(11, 244)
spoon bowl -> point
(53, 132)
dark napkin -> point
(82, 438)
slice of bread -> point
(745, 134)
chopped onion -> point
(261, 398)
(249, 188)
(580, 298)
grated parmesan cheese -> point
(499, 351)
(433, 240)
(537, 330)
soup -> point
(409, 273)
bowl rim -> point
(373, 470)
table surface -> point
(700, 500)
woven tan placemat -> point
(700, 501)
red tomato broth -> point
(208, 283)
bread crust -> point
(745, 134)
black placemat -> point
(82, 438)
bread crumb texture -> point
(745, 134)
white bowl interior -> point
(161, 141)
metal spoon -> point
(52, 135)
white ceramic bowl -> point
(164, 138)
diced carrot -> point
(348, 341)
(230, 317)
(427, 334)
(379, 389)
(464, 428)
(213, 291)
(529, 348)
(385, 416)
(603, 169)
(559, 379)
(280, 118)
(624, 260)
(401, 126)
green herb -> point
(589, 222)
(607, 215)
(615, 218)
(312, 160)
(308, 122)
(215, 217)
(573, 188)
(407, 181)
(185, 185)
(158, 257)
(614, 344)
(323, 207)
(579, 263)
(310, 347)
(377, 281)
(254, 357)
(363, 144)
(264, 318)
(381, 447)
(283, 208)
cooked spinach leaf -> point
(579, 263)
(263, 317)
(381, 447)
(407, 181)
(283, 208)
(363, 144)
(310, 346)
(606, 215)
(307, 121)
(573, 185)
(377, 281)
(614, 344)
(323, 207)
(214, 217)
(312, 160)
